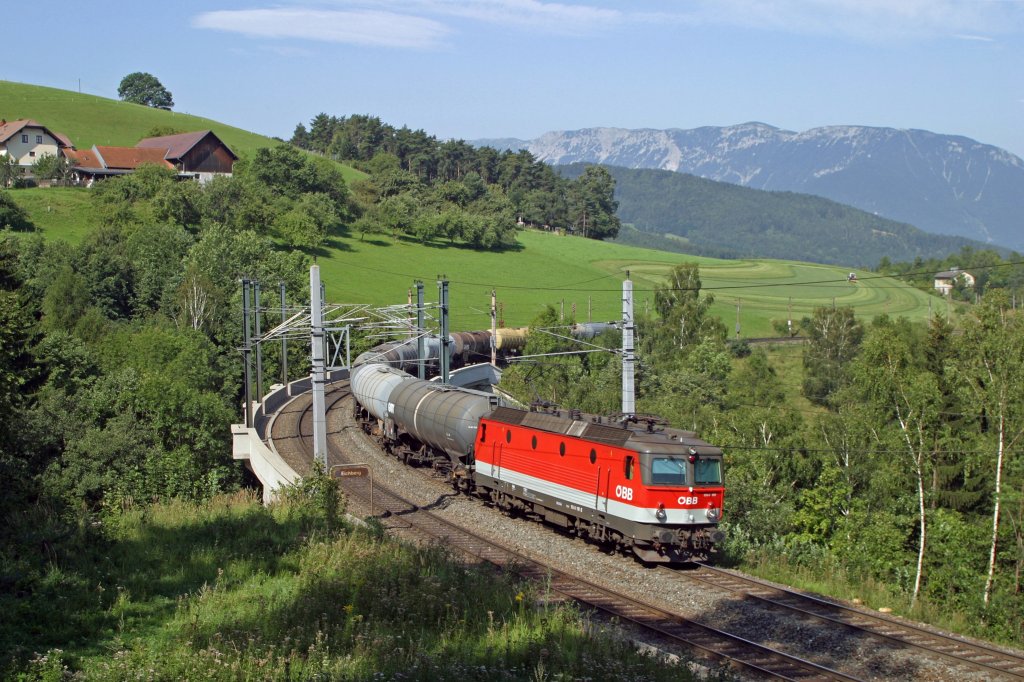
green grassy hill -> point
(89, 120)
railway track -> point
(708, 641)
(974, 655)
(295, 429)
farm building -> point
(201, 153)
(946, 280)
(27, 140)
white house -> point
(26, 140)
(945, 281)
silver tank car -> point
(401, 354)
(442, 417)
(373, 383)
(588, 330)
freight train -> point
(627, 482)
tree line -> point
(409, 168)
(689, 214)
(897, 459)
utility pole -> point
(738, 302)
(628, 360)
(494, 329)
(316, 342)
(327, 338)
(421, 350)
(789, 317)
(284, 338)
(246, 349)
(259, 345)
(442, 286)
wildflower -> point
(519, 597)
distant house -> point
(946, 280)
(26, 140)
(193, 155)
(200, 153)
(105, 161)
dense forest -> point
(685, 213)
(424, 186)
(899, 476)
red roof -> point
(129, 157)
(83, 157)
(176, 146)
(9, 129)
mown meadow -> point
(549, 269)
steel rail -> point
(978, 656)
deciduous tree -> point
(144, 88)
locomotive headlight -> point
(714, 513)
(660, 514)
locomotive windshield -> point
(668, 471)
(707, 471)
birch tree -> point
(993, 373)
(908, 404)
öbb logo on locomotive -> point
(626, 482)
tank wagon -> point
(630, 483)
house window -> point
(39, 139)
(24, 138)
(31, 153)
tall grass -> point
(233, 590)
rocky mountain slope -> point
(940, 183)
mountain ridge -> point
(944, 184)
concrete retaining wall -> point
(254, 444)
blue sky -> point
(518, 68)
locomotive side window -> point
(483, 433)
(668, 471)
(593, 455)
(561, 449)
(630, 462)
(707, 471)
(533, 442)
(508, 436)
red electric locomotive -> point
(655, 491)
(628, 482)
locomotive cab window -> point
(483, 433)
(508, 436)
(707, 471)
(668, 471)
(630, 464)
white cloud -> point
(553, 17)
(425, 24)
(862, 19)
(355, 27)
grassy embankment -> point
(233, 590)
